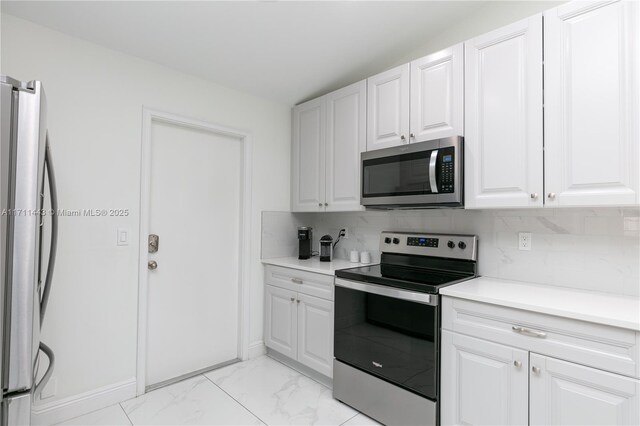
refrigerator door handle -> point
(54, 232)
(47, 374)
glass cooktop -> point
(423, 280)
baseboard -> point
(257, 349)
(301, 368)
(67, 408)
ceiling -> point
(286, 51)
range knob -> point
(462, 245)
(396, 241)
(387, 240)
(451, 244)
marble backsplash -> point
(591, 249)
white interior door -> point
(194, 208)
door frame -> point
(149, 116)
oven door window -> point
(405, 174)
(393, 339)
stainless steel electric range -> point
(387, 325)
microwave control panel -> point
(447, 171)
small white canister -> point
(365, 257)
(354, 256)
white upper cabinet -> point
(563, 393)
(329, 133)
(346, 139)
(308, 156)
(592, 86)
(388, 108)
(437, 95)
(504, 117)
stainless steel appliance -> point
(305, 235)
(387, 326)
(326, 248)
(419, 175)
(25, 161)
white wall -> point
(95, 99)
(589, 249)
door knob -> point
(152, 265)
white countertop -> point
(313, 264)
(602, 308)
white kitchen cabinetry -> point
(564, 393)
(510, 371)
(388, 108)
(592, 115)
(299, 317)
(591, 112)
(437, 95)
(308, 156)
(483, 383)
(281, 320)
(346, 139)
(503, 113)
(329, 133)
(315, 333)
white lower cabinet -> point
(297, 324)
(281, 320)
(564, 393)
(482, 383)
(485, 382)
(315, 333)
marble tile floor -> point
(260, 391)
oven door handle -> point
(394, 293)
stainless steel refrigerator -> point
(26, 266)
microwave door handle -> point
(432, 171)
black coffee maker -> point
(304, 242)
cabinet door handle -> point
(293, 298)
(296, 280)
(552, 195)
(298, 300)
(403, 139)
(529, 332)
(518, 364)
(319, 204)
(534, 195)
(326, 204)
(535, 370)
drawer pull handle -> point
(529, 332)
(296, 280)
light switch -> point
(123, 237)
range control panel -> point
(422, 242)
(453, 246)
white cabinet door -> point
(563, 393)
(388, 108)
(282, 322)
(437, 95)
(503, 117)
(346, 139)
(482, 383)
(315, 334)
(592, 85)
(308, 153)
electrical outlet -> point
(524, 240)
(346, 234)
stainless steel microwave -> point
(419, 175)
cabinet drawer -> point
(599, 346)
(317, 285)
